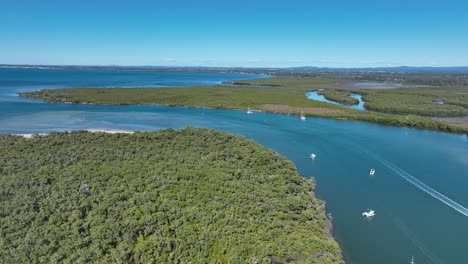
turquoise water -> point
(313, 95)
(418, 191)
(13, 80)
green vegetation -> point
(410, 76)
(415, 101)
(251, 84)
(285, 95)
(340, 96)
(287, 91)
(172, 196)
(418, 101)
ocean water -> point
(18, 80)
(418, 190)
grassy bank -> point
(172, 196)
(285, 95)
(423, 101)
(418, 101)
(288, 91)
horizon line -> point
(226, 67)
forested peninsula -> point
(171, 196)
(395, 107)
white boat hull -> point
(368, 214)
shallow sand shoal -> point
(89, 130)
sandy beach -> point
(89, 130)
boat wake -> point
(420, 185)
(408, 177)
(433, 258)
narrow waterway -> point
(314, 95)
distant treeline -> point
(425, 78)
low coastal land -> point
(409, 107)
(190, 195)
(423, 101)
(445, 104)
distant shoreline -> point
(237, 70)
(88, 130)
(246, 68)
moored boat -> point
(369, 213)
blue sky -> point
(234, 33)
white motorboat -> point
(312, 156)
(249, 111)
(302, 115)
(369, 213)
(412, 261)
(372, 172)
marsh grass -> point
(398, 107)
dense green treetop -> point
(172, 196)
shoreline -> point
(92, 130)
(287, 97)
(310, 112)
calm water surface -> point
(313, 95)
(416, 171)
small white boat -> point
(302, 115)
(412, 260)
(312, 156)
(369, 213)
(248, 111)
(372, 172)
